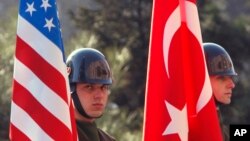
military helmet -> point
(218, 60)
(88, 65)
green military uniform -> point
(224, 128)
(90, 132)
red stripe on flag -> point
(50, 76)
(73, 125)
(46, 120)
(19, 136)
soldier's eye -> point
(89, 87)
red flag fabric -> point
(41, 107)
(179, 103)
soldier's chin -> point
(227, 102)
(97, 116)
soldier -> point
(221, 72)
(90, 79)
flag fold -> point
(179, 105)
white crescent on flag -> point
(171, 26)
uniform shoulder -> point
(104, 136)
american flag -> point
(41, 107)
(179, 103)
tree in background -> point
(120, 29)
(223, 24)
(119, 26)
(7, 46)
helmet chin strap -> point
(78, 105)
(77, 102)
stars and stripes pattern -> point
(179, 105)
(41, 107)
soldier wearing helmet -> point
(90, 79)
(221, 72)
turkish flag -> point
(179, 103)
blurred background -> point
(121, 30)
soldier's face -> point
(222, 87)
(93, 98)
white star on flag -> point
(39, 52)
(49, 24)
(45, 4)
(178, 123)
(30, 8)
